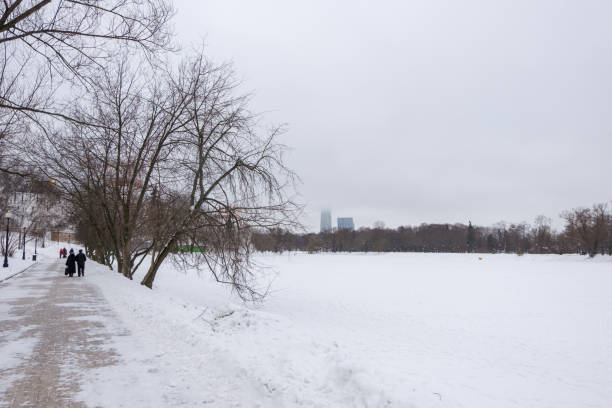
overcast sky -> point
(427, 111)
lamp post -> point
(6, 244)
(23, 243)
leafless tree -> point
(542, 234)
(601, 220)
(379, 224)
(12, 244)
(49, 48)
(231, 171)
(74, 33)
(105, 160)
(588, 227)
(159, 160)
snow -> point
(16, 346)
(16, 265)
(398, 330)
(188, 354)
(361, 330)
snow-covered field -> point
(397, 330)
(359, 330)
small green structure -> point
(189, 249)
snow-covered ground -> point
(15, 264)
(361, 330)
(399, 330)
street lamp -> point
(23, 243)
(6, 244)
(35, 245)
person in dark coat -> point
(71, 263)
(65, 252)
(80, 260)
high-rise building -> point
(346, 224)
(326, 221)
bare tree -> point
(588, 227)
(379, 224)
(161, 159)
(232, 175)
(105, 160)
(46, 45)
(74, 33)
(600, 222)
(542, 234)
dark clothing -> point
(71, 264)
(80, 260)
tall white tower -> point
(326, 220)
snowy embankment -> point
(196, 345)
(15, 265)
(401, 330)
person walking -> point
(71, 263)
(80, 260)
(65, 252)
(61, 253)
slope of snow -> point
(357, 330)
(15, 265)
(182, 353)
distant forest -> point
(587, 231)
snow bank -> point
(183, 353)
(16, 265)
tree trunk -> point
(126, 265)
(119, 258)
(150, 276)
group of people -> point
(73, 261)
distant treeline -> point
(586, 231)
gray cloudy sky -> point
(427, 111)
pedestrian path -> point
(52, 330)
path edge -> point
(17, 273)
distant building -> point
(346, 224)
(326, 221)
(41, 214)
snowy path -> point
(62, 344)
(50, 333)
